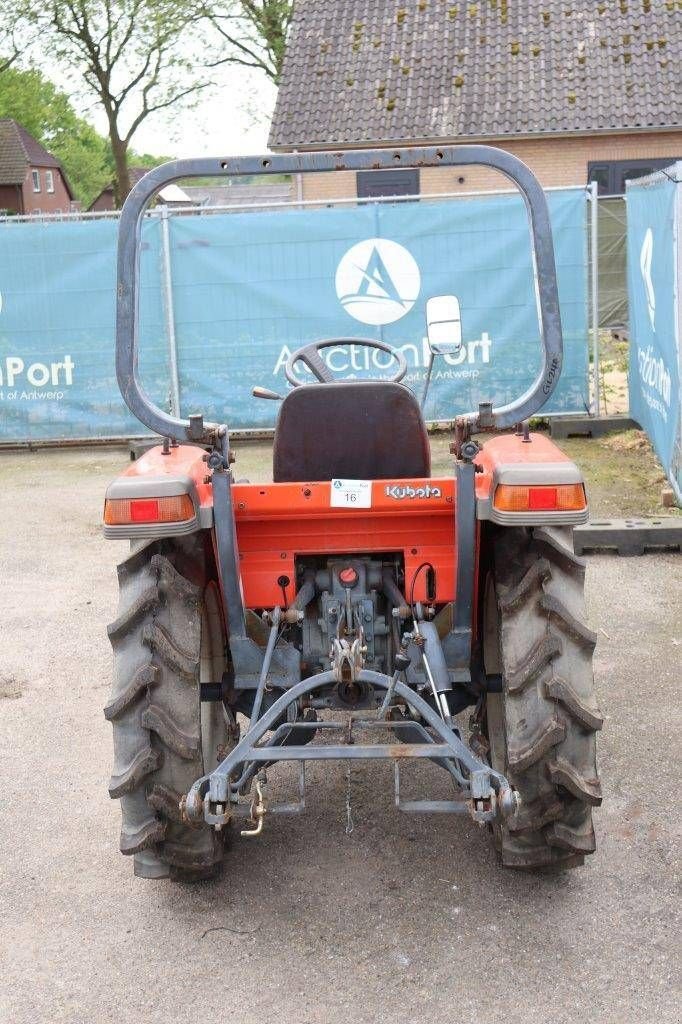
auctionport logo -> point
(377, 281)
(45, 380)
(646, 255)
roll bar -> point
(128, 266)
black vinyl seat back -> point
(354, 430)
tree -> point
(136, 57)
(47, 115)
(256, 31)
(9, 50)
(133, 55)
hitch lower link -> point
(481, 792)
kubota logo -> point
(400, 491)
(377, 281)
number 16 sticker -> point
(351, 494)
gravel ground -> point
(405, 919)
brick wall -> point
(333, 185)
(46, 202)
(555, 161)
(104, 201)
(10, 198)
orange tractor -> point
(354, 584)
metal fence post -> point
(594, 274)
(298, 181)
(169, 314)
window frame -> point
(408, 175)
(615, 169)
(49, 180)
(35, 178)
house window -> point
(36, 180)
(49, 181)
(611, 175)
(376, 184)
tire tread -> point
(155, 708)
(550, 713)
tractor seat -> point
(353, 430)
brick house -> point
(106, 200)
(31, 179)
(580, 90)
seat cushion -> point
(356, 430)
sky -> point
(231, 119)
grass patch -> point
(622, 473)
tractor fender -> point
(161, 473)
(532, 462)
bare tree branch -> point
(9, 48)
(164, 105)
(256, 29)
(7, 61)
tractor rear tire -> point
(541, 728)
(168, 633)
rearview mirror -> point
(443, 325)
(259, 392)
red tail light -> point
(126, 511)
(562, 498)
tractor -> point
(356, 607)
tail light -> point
(562, 498)
(130, 511)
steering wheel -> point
(310, 355)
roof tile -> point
(18, 150)
(488, 69)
